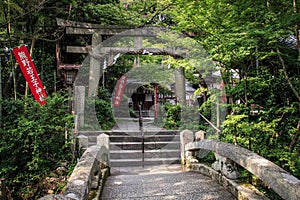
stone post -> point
(103, 141)
(95, 66)
(180, 86)
(79, 105)
(83, 141)
(201, 153)
(138, 42)
(200, 135)
(186, 136)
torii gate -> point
(98, 32)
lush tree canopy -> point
(259, 40)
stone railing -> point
(223, 170)
(89, 174)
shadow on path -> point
(161, 182)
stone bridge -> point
(102, 173)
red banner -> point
(224, 98)
(31, 76)
(120, 90)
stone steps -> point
(137, 133)
(137, 154)
(157, 138)
(139, 162)
(147, 145)
(160, 147)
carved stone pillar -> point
(226, 167)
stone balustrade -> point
(283, 183)
(87, 175)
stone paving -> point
(161, 182)
(132, 124)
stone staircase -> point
(126, 149)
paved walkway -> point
(161, 182)
(132, 124)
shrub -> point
(33, 141)
(172, 116)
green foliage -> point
(132, 113)
(102, 14)
(102, 108)
(155, 74)
(178, 116)
(189, 118)
(268, 135)
(173, 117)
(113, 73)
(107, 13)
(243, 36)
(33, 140)
(209, 159)
(104, 114)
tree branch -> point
(286, 76)
(295, 139)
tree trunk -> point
(297, 31)
(286, 76)
(202, 84)
(245, 91)
(12, 76)
(295, 139)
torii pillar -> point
(95, 66)
(180, 86)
